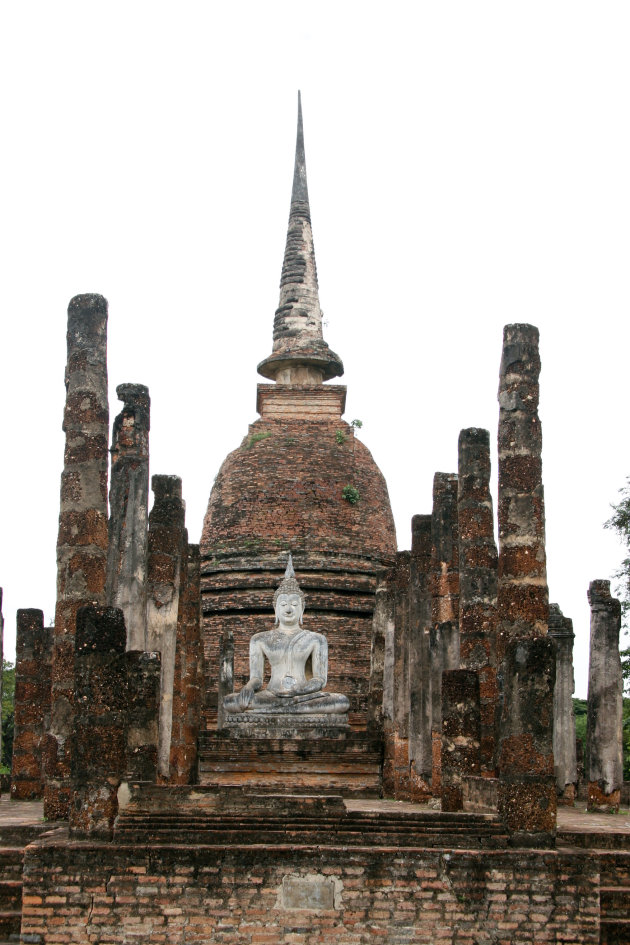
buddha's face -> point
(289, 610)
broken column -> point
(604, 719)
(143, 707)
(82, 538)
(478, 583)
(420, 742)
(461, 735)
(527, 792)
(167, 538)
(444, 585)
(31, 721)
(188, 673)
(565, 760)
(129, 503)
(98, 736)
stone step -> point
(614, 931)
(614, 902)
(615, 868)
(10, 894)
(10, 922)
(11, 863)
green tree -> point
(8, 704)
(619, 522)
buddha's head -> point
(289, 599)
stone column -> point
(188, 676)
(565, 760)
(400, 743)
(226, 670)
(396, 682)
(33, 665)
(461, 735)
(478, 583)
(420, 745)
(523, 596)
(526, 792)
(444, 584)
(129, 503)
(604, 719)
(82, 539)
(99, 736)
(167, 538)
(143, 706)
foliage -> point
(357, 424)
(351, 494)
(256, 438)
(8, 702)
(340, 437)
(619, 522)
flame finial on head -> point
(289, 584)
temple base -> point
(280, 725)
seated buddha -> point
(298, 659)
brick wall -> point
(106, 893)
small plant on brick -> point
(256, 438)
(357, 424)
(340, 437)
(351, 494)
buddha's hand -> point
(246, 694)
(313, 685)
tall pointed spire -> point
(300, 355)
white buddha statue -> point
(298, 659)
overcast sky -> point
(468, 166)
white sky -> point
(468, 167)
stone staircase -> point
(613, 850)
(614, 897)
(349, 764)
(13, 839)
(201, 816)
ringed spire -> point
(300, 355)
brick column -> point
(565, 760)
(604, 719)
(188, 676)
(167, 539)
(128, 503)
(82, 539)
(461, 735)
(33, 666)
(478, 583)
(99, 736)
(526, 793)
(444, 584)
(420, 746)
(143, 705)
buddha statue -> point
(298, 659)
